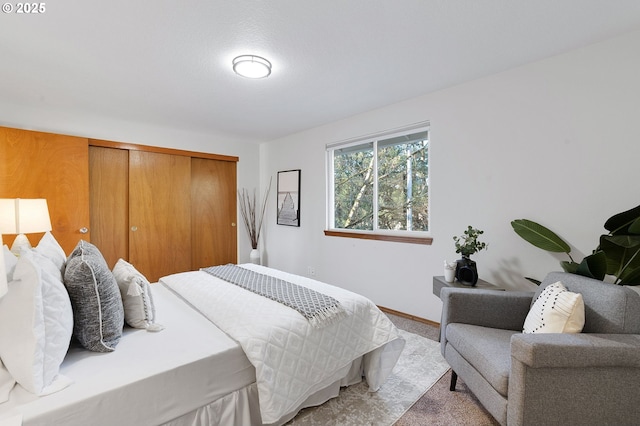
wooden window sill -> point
(380, 237)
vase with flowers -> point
(468, 244)
(252, 218)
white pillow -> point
(556, 310)
(139, 310)
(6, 383)
(51, 249)
(10, 261)
(36, 323)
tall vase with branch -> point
(253, 217)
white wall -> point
(555, 141)
(86, 125)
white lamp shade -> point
(24, 216)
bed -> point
(151, 378)
(226, 356)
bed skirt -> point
(241, 408)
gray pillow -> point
(98, 313)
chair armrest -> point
(488, 308)
(574, 379)
(580, 350)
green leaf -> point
(570, 267)
(621, 223)
(634, 228)
(540, 236)
(593, 266)
(625, 241)
(630, 277)
(622, 251)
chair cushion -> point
(488, 350)
(556, 310)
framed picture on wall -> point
(289, 198)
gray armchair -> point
(587, 378)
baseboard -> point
(409, 316)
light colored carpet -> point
(419, 367)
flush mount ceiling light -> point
(251, 66)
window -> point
(380, 184)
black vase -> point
(466, 271)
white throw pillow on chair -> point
(556, 310)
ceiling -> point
(168, 63)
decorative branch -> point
(248, 210)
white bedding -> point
(292, 359)
(150, 379)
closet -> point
(55, 167)
(213, 207)
(163, 210)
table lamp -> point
(23, 216)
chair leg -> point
(454, 379)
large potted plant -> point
(617, 254)
(468, 244)
(253, 218)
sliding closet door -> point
(109, 202)
(159, 213)
(55, 167)
(213, 212)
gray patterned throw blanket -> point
(319, 309)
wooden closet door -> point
(109, 202)
(55, 167)
(213, 212)
(159, 213)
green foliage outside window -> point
(353, 191)
(402, 185)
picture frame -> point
(288, 197)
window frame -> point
(404, 236)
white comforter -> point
(292, 359)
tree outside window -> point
(382, 185)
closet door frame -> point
(161, 150)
